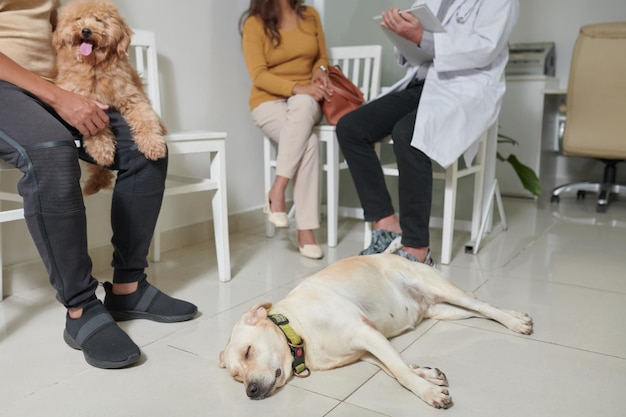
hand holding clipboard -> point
(398, 26)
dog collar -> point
(296, 346)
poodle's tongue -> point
(85, 48)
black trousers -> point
(40, 144)
(358, 131)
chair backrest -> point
(143, 55)
(596, 94)
(361, 64)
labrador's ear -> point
(221, 363)
(257, 313)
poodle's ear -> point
(124, 43)
(57, 39)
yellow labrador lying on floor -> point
(347, 312)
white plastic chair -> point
(451, 176)
(362, 65)
(7, 215)
(144, 53)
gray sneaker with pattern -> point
(383, 241)
(428, 261)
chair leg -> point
(220, 217)
(449, 209)
(367, 234)
(479, 177)
(267, 174)
(156, 243)
(610, 174)
(494, 194)
(1, 267)
(332, 190)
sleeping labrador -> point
(347, 312)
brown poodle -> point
(92, 40)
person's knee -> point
(402, 137)
(52, 176)
(136, 173)
(304, 102)
(348, 127)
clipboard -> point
(410, 51)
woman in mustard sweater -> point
(285, 52)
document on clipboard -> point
(413, 54)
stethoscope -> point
(463, 19)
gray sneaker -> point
(428, 261)
(383, 241)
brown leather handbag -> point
(346, 96)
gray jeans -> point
(34, 139)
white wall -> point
(559, 21)
(205, 82)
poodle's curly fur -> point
(92, 40)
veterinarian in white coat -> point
(436, 112)
(465, 83)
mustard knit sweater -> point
(276, 70)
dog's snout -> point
(86, 32)
(253, 390)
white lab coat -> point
(464, 87)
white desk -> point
(522, 118)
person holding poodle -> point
(285, 53)
(39, 124)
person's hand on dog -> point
(404, 24)
(86, 115)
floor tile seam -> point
(193, 355)
(518, 277)
(188, 325)
(378, 413)
(246, 302)
(345, 399)
(338, 402)
(588, 288)
(535, 340)
(490, 276)
(423, 333)
(51, 385)
(528, 246)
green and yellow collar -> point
(296, 345)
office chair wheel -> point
(555, 199)
(580, 195)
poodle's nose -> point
(86, 32)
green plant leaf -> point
(507, 139)
(527, 176)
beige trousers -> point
(290, 123)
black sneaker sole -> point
(134, 315)
(133, 358)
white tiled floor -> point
(566, 266)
